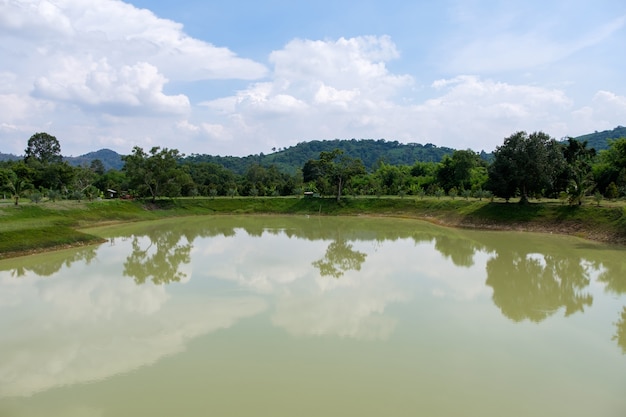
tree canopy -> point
(525, 163)
(526, 166)
(43, 148)
(156, 173)
(332, 169)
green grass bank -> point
(30, 227)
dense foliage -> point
(526, 166)
(371, 153)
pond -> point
(311, 316)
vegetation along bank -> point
(530, 182)
(30, 227)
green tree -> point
(611, 191)
(211, 179)
(611, 167)
(112, 180)
(154, 174)
(55, 176)
(97, 166)
(577, 177)
(16, 185)
(525, 163)
(393, 179)
(44, 148)
(83, 178)
(337, 170)
(456, 170)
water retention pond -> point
(298, 316)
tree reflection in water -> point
(339, 258)
(614, 277)
(620, 335)
(534, 287)
(458, 249)
(52, 263)
(161, 258)
(531, 279)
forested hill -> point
(370, 151)
(110, 159)
(8, 157)
(600, 140)
(289, 160)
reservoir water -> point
(312, 316)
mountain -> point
(110, 159)
(9, 157)
(600, 140)
(370, 151)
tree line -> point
(525, 166)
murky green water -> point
(271, 316)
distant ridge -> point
(110, 159)
(370, 151)
(290, 159)
(9, 157)
(600, 140)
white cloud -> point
(343, 89)
(319, 88)
(110, 71)
(329, 95)
(99, 86)
(611, 102)
(480, 113)
(344, 64)
(123, 33)
(605, 111)
(69, 64)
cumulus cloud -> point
(71, 63)
(605, 111)
(474, 110)
(121, 31)
(332, 88)
(99, 86)
(308, 72)
(321, 89)
(121, 75)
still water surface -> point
(294, 316)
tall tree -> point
(334, 168)
(97, 166)
(611, 167)
(456, 171)
(43, 148)
(527, 164)
(156, 173)
(577, 178)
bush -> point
(612, 192)
(54, 195)
(36, 197)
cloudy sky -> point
(240, 77)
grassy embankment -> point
(32, 227)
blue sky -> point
(243, 77)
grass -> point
(31, 227)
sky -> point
(242, 77)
